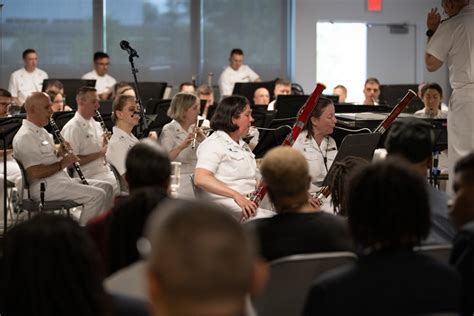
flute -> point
(106, 132)
(62, 141)
(194, 141)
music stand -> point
(160, 108)
(60, 118)
(247, 89)
(391, 94)
(151, 90)
(70, 88)
(105, 106)
(9, 126)
(259, 114)
(287, 106)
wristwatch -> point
(429, 33)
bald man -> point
(34, 147)
(261, 96)
(202, 261)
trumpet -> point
(105, 131)
(62, 141)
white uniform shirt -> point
(85, 137)
(103, 83)
(424, 114)
(118, 147)
(315, 155)
(23, 83)
(230, 76)
(453, 42)
(231, 163)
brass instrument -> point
(106, 132)
(62, 141)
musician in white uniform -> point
(226, 168)
(87, 138)
(126, 115)
(235, 72)
(316, 144)
(34, 147)
(177, 138)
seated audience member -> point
(202, 262)
(28, 79)
(413, 139)
(104, 82)
(371, 91)
(204, 92)
(462, 213)
(298, 226)
(339, 178)
(34, 147)
(432, 96)
(52, 268)
(57, 98)
(187, 87)
(386, 221)
(236, 71)
(341, 92)
(180, 135)
(261, 96)
(282, 87)
(316, 144)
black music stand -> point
(259, 114)
(8, 128)
(151, 90)
(105, 106)
(247, 89)
(60, 118)
(287, 106)
(160, 109)
(70, 88)
(392, 94)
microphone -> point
(126, 47)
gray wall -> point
(413, 12)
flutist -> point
(34, 147)
(179, 135)
(87, 138)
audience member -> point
(388, 214)
(298, 226)
(104, 82)
(27, 79)
(235, 72)
(462, 213)
(341, 92)
(413, 139)
(282, 87)
(371, 91)
(202, 262)
(261, 96)
(187, 87)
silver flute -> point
(196, 130)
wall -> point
(308, 12)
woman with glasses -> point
(58, 100)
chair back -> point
(123, 186)
(291, 278)
(440, 252)
(24, 180)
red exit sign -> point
(374, 5)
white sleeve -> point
(440, 44)
(225, 85)
(73, 137)
(167, 139)
(27, 151)
(252, 74)
(208, 156)
(12, 88)
(116, 156)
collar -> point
(97, 75)
(81, 119)
(121, 133)
(229, 141)
(32, 126)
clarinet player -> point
(34, 147)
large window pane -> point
(61, 33)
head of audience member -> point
(125, 112)
(57, 99)
(101, 63)
(187, 87)
(55, 85)
(285, 172)
(236, 58)
(412, 139)
(452, 7)
(371, 91)
(30, 59)
(87, 102)
(462, 211)
(52, 268)
(432, 96)
(116, 87)
(339, 181)
(341, 92)
(147, 165)
(233, 116)
(394, 212)
(261, 96)
(202, 261)
(282, 87)
(38, 108)
(322, 121)
(184, 109)
(5, 101)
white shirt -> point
(231, 163)
(230, 76)
(423, 113)
(85, 137)
(453, 42)
(23, 83)
(118, 147)
(315, 155)
(103, 83)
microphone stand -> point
(5, 181)
(143, 126)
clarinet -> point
(62, 141)
(106, 132)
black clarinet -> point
(106, 132)
(63, 142)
